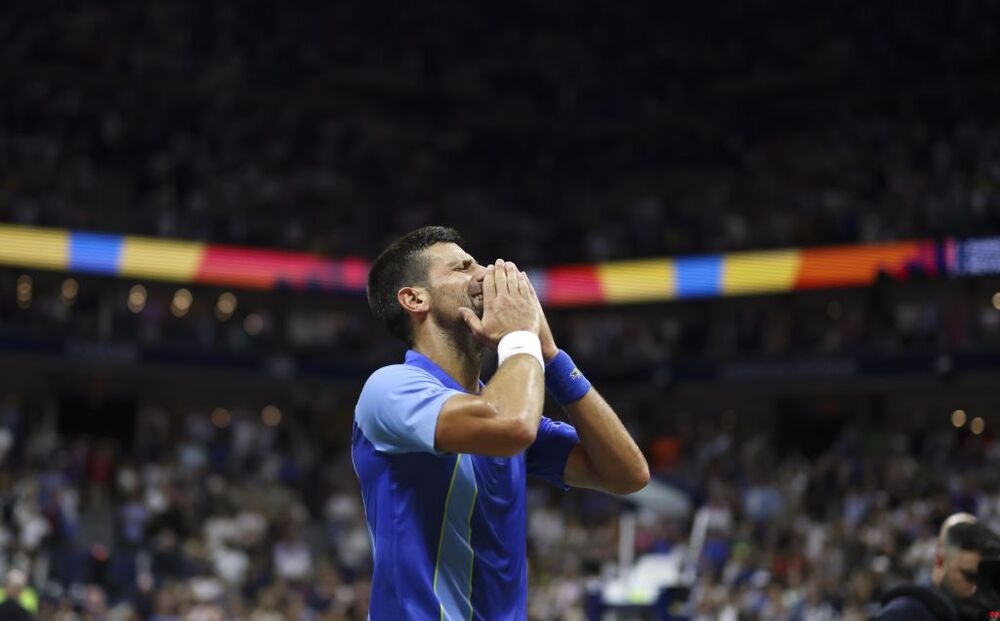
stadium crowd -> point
(332, 128)
(222, 514)
(891, 319)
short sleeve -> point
(398, 409)
(548, 455)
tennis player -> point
(443, 459)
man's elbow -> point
(502, 434)
(634, 481)
(517, 435)
(642, 477)
(523, 434)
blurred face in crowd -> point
(16, 580)
(956, 571)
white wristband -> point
(520, 342)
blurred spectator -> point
(17, 601)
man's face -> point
(959, 573)
(455, 280)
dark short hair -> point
(403, 264)
(971, 536)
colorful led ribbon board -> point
(612, 282)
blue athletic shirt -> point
(448, 530)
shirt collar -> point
(419, 360)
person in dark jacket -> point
(917, 603)
(956, 566)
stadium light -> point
(996, 300)
(137, 298)
(253, 324)
(70, 289)
(225, 306)
(221, 417)
(270, 416)
(978, 425)
(958, 418)
(181, 303)
(25, 291)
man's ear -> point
(414, 299)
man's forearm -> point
(517, 390)
(610, 458)
(613, 454)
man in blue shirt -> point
(443, 458)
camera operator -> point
(956, 577)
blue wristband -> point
(564, 380)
